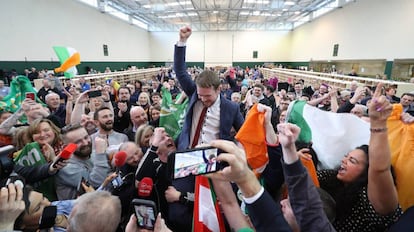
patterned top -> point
(363, 216)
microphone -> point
(66, 153)
(145, 187)
(120, 159)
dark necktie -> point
(199, 125)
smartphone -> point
(47, 220)
(117, 181)
(94, 93)
(30, 95)
(196, 161)
(146, 213)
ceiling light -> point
(257, 1)
(290, 3)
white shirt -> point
(210, 129)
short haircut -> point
(124, 87)
(208, 79)
(408, 94)
(96, 211)
(96, 114)
(68, 128)
(236, 94)
(49, 95)
(258, 85)
(270, 88)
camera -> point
(6, 164)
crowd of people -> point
(91, 191)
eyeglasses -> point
(71, 127)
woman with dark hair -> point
(363, 187)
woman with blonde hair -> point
(145, 102)
(143, 136)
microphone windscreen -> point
(120, 159)
(145, 187)
(68, 151)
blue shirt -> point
(85, 86)
(63, 208)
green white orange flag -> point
(68, 58)
(332, 134)
(207, 216)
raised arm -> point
(333, 93)
(79, 108)
(381, 190)
(303, 196)
(271, 137)
(69, 107)
(265, 214)
(187, 84)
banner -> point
(172, 115)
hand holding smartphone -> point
(94, 93)
(30, 95)
(196, 161)
(145, 212)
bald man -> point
(138, 117)
(95, 211)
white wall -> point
(31, 28)
(366, 29)
(223, 48)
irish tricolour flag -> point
(333, 134)
(207, 216)
(68, 58)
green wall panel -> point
(388, 69)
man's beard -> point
(106, 126)
(84, 151)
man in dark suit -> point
(220, 115)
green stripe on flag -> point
(295, 116)
(62, 53)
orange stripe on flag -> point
(72, 61)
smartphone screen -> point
(145, 212)
(95, 93)
(30, 95)
(195, 162)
